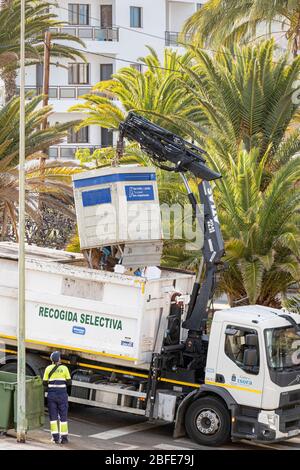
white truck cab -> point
(254, 355)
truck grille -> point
(289, 418)
(289, 398)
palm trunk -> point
(10, 86)
(296, 41)
(296, 46)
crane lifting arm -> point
(172, 153)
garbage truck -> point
(146, 345)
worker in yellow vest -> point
(56, 379)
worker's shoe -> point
(64, 440)
(55, 438)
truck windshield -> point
(283, 348)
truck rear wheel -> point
(207, 422)
(12, 367)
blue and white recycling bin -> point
(117, 205)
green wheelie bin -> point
(8, 382)
(8, 402)
(35, 407)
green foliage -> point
(38, 20)
(247, 99)
(105, 156)
(221, 22)
(261, 227)
(292, 304)
(157, 94)
(53, 187)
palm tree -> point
(252, 139)
(247, 99)
(224, 21)
(54, 188)
(292, 304)
(260, 227)
(157, 94)
(38, 20)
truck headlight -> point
(271, 419)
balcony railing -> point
(69, 151)
(60, 92)
(174, 39)
(92, 33)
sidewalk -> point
(36, 440)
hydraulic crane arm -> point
(166, 148)
(163, 147)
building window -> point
(106, 138)
(199, 6)
(106, 71)
(137, 67)
(236, 346)
(79, 13)
(78, 137)
(135, 17)
(53, 152)
(106, 16)
(79, 74)
(67, 92)
(39, 75)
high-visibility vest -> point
(59, 378)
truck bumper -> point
(275, 425)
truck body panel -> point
(104, 315)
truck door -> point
(239, 367)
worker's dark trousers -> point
(58, 413)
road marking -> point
(69, 434)
(188, 442)
(295, 440)
(113, 433)
(170, 447)
(195, 446)
(283, 447)
(127, 446)
(258, 444)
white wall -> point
(157, 18)
(178, 13)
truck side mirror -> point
(250, 357)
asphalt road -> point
(92, 429)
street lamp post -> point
(21, 393)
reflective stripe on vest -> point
(56, 386)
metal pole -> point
(21, 394)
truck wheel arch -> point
(205, 390)
(35, 364)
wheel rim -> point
(208, 422)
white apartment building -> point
(116, 33)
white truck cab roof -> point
(255, 316)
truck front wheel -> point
(207, 422)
